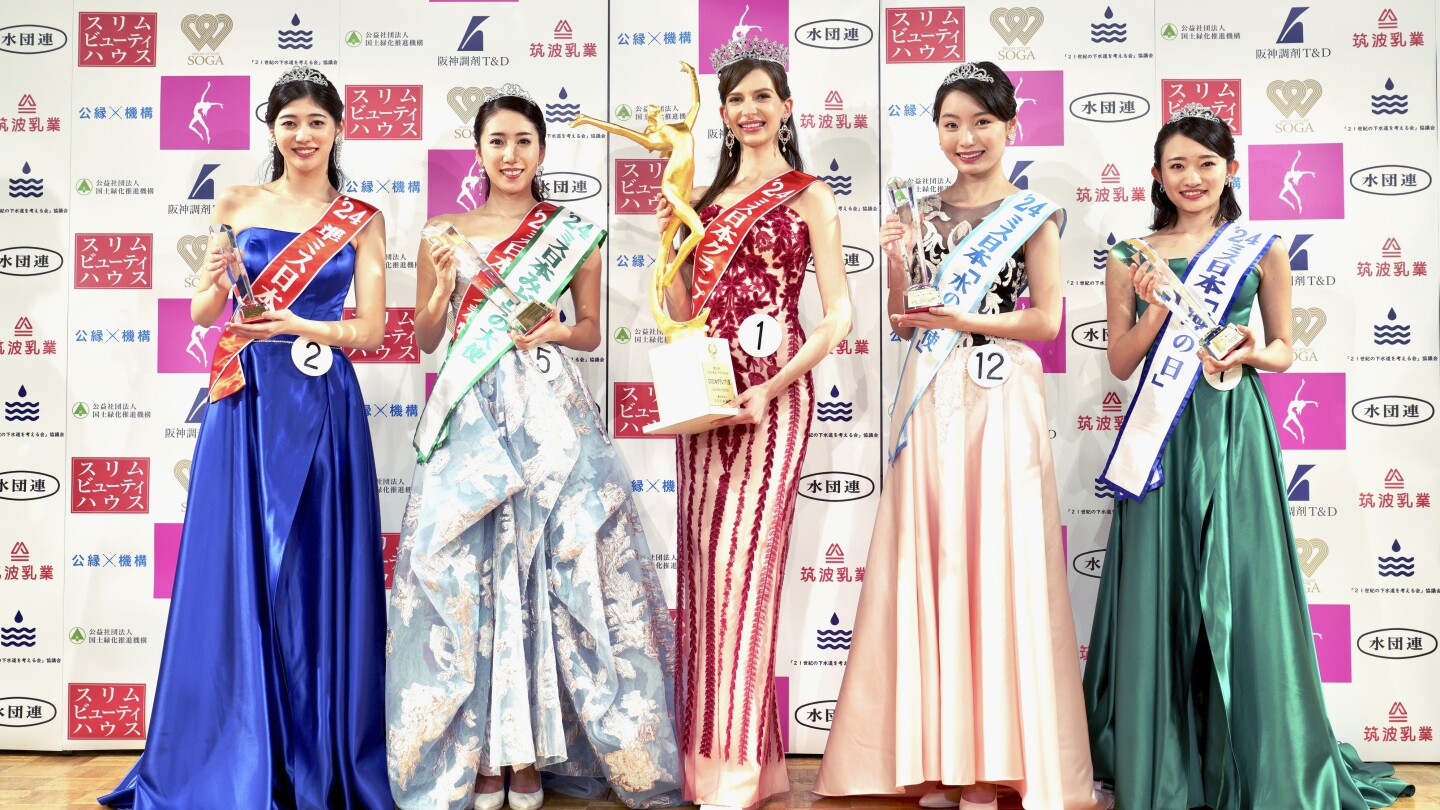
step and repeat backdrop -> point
(121, 121)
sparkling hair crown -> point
(489, 94)
(735, 50)
(1194, 110)
(968, 72)
(303, 73)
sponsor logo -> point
(1394, 564)
(117, 39)
(723, 20)
(22, 409)
(563, 110)
(1089, 563)
(1293, 30)
(296, 38)
(841, 184)
(28, 260)
(204, 186)
(1101, 254)
(1110, 107)
(1307, 322)
(1299, 487)
(1391, 333)
(398, 344)
(28, 39)
(206, 31)
(1396, 643)
(114, 261)
(25, 185)
(818, 714)
(167, 553)
(1017, 24)
(835, 409)
(570, 186)
(1299, 256)
(1389, 102)
(836, 486)
(834, 637)
(384, 112)
(1390, 180)
(637, 185)
(106, 711)
(1018, 177)
(1220, 95)
(1392, 410)
(183, 345)
(453, 179)
(1311, 552)
(1308, 409)
(465, 101)
(18, 635)
(1294, 98)
(109, 485)
(935, 34)
(857, 260)
(834, 34)
(1297, 181)
(27, 485)
(204, 112)
(634, 408)
(1108, 31)
(1039, 107)
(1330, 627)
(473, 39)
(22, 712)
(1091, 335)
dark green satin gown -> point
(1201, 683)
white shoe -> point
(980, 797)
(526, 801)
(489, 801)
(938, 798)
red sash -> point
(501, 256)
(727, 231)
(285, 279)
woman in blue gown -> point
(268, 692)
(528, 630)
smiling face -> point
(1192, 174)
(753, 109)
(511, 150)
(972, 138)
(305, 134)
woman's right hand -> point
(898, 243)
(1145, 279)
(443, 259)
(213, 272)
(664, 214)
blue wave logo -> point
(1392, 334)
(1103, 252)
(1103, 490)
(833, 639)
(563, 112)
(1108, 31)
(26, 186)
(21, 410)
(295, 39)
(1396, 566)
(835, 409)
(19, 635)
(841, 184)
(1394, 104)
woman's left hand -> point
(1240, 355)
(276, 322)
(551, 331)
(752, 403)
(933, 318)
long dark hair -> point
(729, 165)
(525, 107)
(1212, 135)
(996, 97)
(327, 99)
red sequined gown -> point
(737, 490)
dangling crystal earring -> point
(339, 145)
(729, 139)
(272, 143)
(1010, 136)
(1161, 185)
(785, 132)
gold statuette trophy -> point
(694, 379)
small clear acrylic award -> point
(922, 292)
(251, 309)
(523, 314)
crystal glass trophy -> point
(251, 308)
(1218, 339)
(523, 314)
(922, 292)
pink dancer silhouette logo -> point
(722, 20)
(1330, 626)
(1039, 107)
(1309, 409)
(454, 182)
(183, 346)
(205, 112)
(1297, 181)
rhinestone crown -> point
(1194, 110)
(302, 74)
(735, 50)
(489, 94)
(968, 71)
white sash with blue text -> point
(964, 278)
(1216, 273)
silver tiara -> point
(1194, 110)
(489, 94)
(760, 48)
(968, 71)
(302, 74)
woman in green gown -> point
(1202, 684)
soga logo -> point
(465, 101)
(1294, 98)
(206, 31)
(1016, 25)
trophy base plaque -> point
(921, 297)
(694, 384)
(1223, 340)
(251, 313)
(530, 315)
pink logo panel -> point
(183, 346)
(1296, 181)
(166, 554)
(205, 112)
(1040, 107)
(722, 20)
(1331, 627)
(1309, 409)
(454, 182)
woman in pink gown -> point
(964, 673)
(738, 481)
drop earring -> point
(785, 132)
(729, 139)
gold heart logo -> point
(1312, 551)
(1016, 23)
(192, 250)
(206, 29)
(1308, 321)
(465, 101)
(182, 473)
(1293, 96)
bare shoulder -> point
(235, 200)
(816, 203)
(698, 193)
